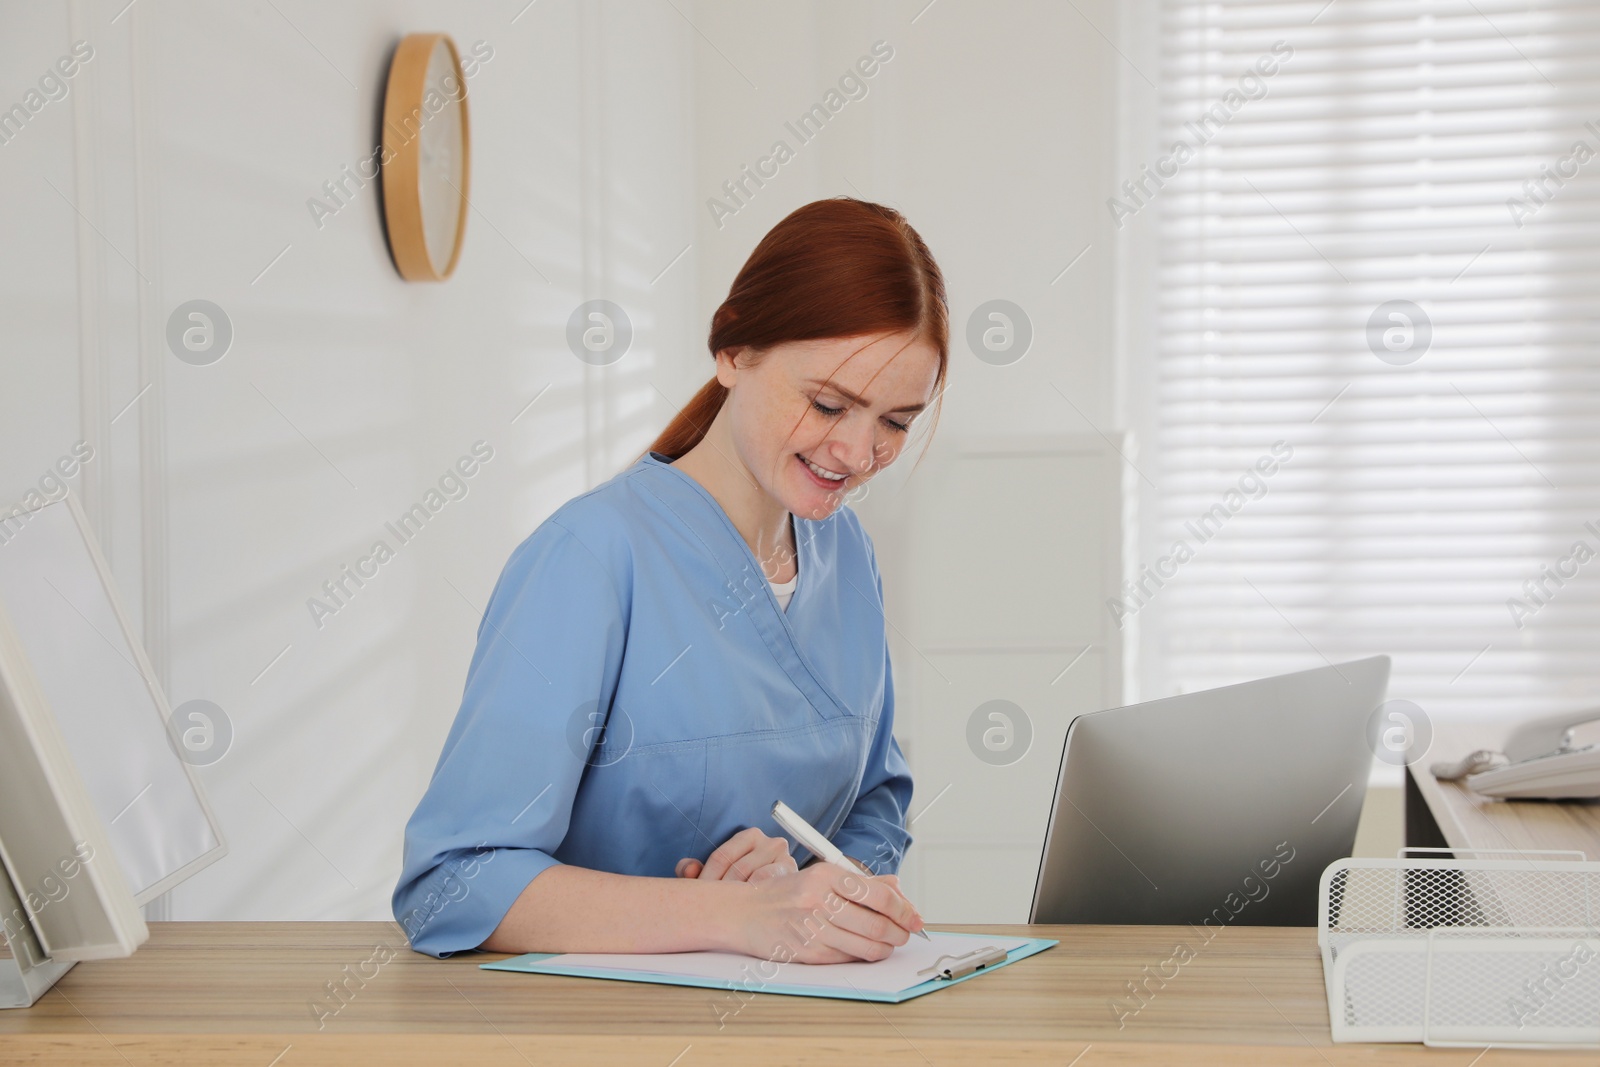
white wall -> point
(228, 494)
(991, 129)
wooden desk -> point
(1449, 815)
(245, 993)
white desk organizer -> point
(1463, 952)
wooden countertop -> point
(259, 994)
(1468, 820)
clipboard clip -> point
(965, 964)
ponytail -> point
(690, 424)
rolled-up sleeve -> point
(542, 676)
(874, 831)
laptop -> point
(1215, 808)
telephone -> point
(1538, 762)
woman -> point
(703, 634)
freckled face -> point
(808, 411)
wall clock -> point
(426, 163)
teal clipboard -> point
(535, 963)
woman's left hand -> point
(747, 856)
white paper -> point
(900, 971)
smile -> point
(822, 473)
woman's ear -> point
(727, 370)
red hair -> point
(834, 268)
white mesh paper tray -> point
(1451, 951)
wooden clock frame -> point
(402, 204)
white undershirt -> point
(785, 590)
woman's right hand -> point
(824, 914)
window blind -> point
(1377, 424)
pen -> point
(815, 843)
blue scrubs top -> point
(637, 696)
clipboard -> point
(976, 955)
